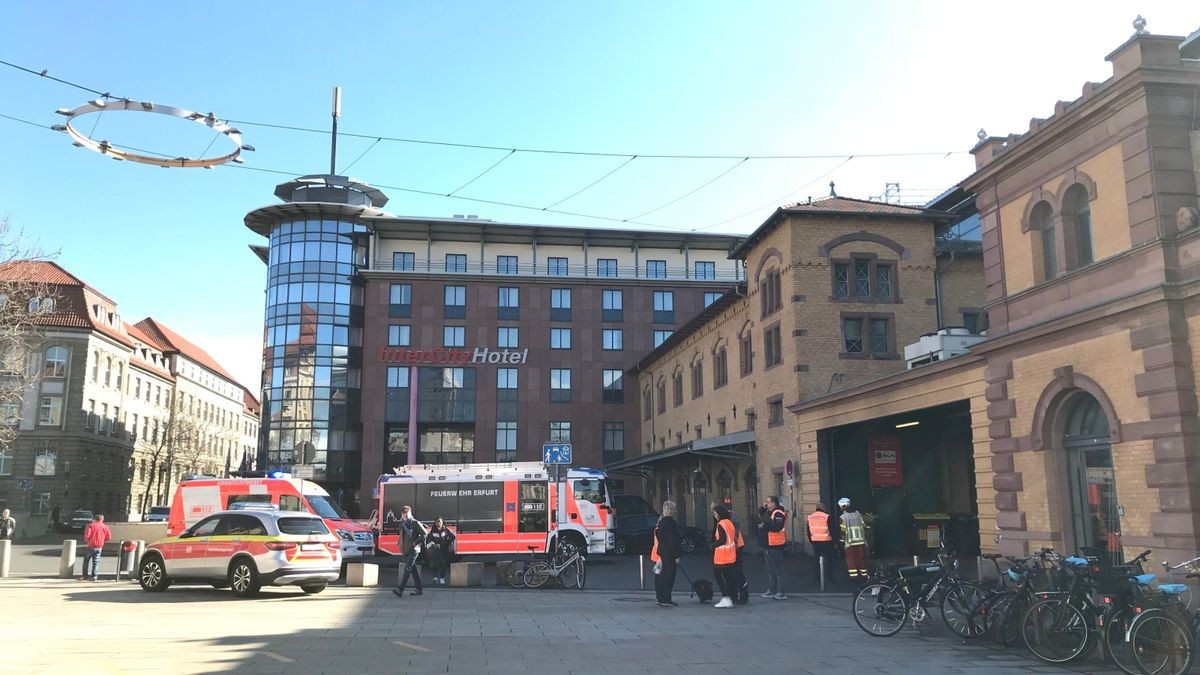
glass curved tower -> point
(312, 344)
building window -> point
(720, 369)
(771, 290)
(50, 411)
(400, 301)
(614, 391)
(506, 441)
(612, 305)
(852, 342)
(453, 378)
(660, 336)
(879, 337)
(746, 354)
(883, 281)
(1077, 226)
(772, 346)
(454, 336)
(841, 280)
(677, 388)
(560, 338)
(710, 297)
(508, 303)
(6, 461)
(560, 385)
(45, 463)
(975, 321)
(1041, 221)
(664, 307)
(506, 337)
(560, 432)
(397, 377)
(662, 396)
(403, 261)
(456, 262)
(614, 442)
(775, 412)
(647, 403)
(606, 267)
(656, 269)
(556, 267)
(862, 278)
(697, 379)
(507, 264)
(751, 420)
(614, 339)
(706, 270)
(399, 335)
(560, 304)
(10, 413)
(455, 306)
(868, 336)
(56, 363)
(506, 378)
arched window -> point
(1042, 221)
(34, 305)
(56, 362)
(1077, 226)
(725, 485)
(47, 305)
(1095, 510)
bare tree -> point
(24, 303)
(185, 442)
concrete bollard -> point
(66, 562)
(137, 556)
(642, 571)
(916, 560)
(821, 567)
(5, 557)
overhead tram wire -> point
(481, 175)
(689, 194)
(592, 184)
(346, 169)
(777, 200)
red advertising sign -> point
(883, 453)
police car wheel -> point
(312, 589)
(243, 578)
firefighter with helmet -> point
(853, 540)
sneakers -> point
(671, 603)
(397, 592)
(768, 594)
(417, 593)
(725, 602)
(780, 596)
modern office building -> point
(393, 340)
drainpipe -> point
(937, 294)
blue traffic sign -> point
(556, 453)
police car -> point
(245, 550)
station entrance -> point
(911, 475)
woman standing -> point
(725, 539)
(665, 554)
(440, 541)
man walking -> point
(8, 526)
(95, 536)
(774, 524)
(854, 540)
(821, 538)
(412, 538)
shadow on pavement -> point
(129, 593)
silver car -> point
(244, 550)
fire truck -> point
(500, 508)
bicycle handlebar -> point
(1141, 558)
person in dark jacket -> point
(412, 540)
(665, 554)
(773, 526)
(729, 577)
(437, 552)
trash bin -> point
(930, 530)
(126, 557)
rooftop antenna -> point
(337, 112)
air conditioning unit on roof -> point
(944, 344)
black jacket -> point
(442, 539)
(412, 535)
(667, 534)
(773, 520)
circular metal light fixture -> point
(105, 148)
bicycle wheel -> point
(991, 612)
(880, 609)
(1160, 643)
(1055, 630)
(1009, 630)
(958, 605)
(569, 576)
(536, 574)
(581, 577)
(1116, 625)
(515, 574)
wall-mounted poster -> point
(883, 453)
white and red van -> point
(197, 498)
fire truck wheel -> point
(620, 547)
(575, 540)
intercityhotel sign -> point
(442, 356)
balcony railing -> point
(724, 273)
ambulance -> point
(500, 508)
(196, 498)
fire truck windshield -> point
(589, 489)
(322, 506)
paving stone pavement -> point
(53, 626)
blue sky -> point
(696, 78)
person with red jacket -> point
(95, 536)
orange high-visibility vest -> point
(778, 538)
(818, 527)
(726, 554)
(654, 557)
(741, 543)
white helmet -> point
(844, 502)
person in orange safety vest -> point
(774, 526)
(820, 535)
(725, 569)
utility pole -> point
(337, 112)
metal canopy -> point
(738, 445)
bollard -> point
(5, 557)
(916, 560)
(66, 562)
(137, 556)
(642, 571)
(821, 567)
(979, 567)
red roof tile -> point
(70, 296)
(173, 341)
(250, 403)
(851, 205)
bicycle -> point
(899, 595)
(567, 566)
(1163, 640)
(514, 576)
(1001, 611)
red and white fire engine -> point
(500, 508)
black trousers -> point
(664, 581)
(411, 568)
(823, 549)
(730, 580)
(741, 593)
